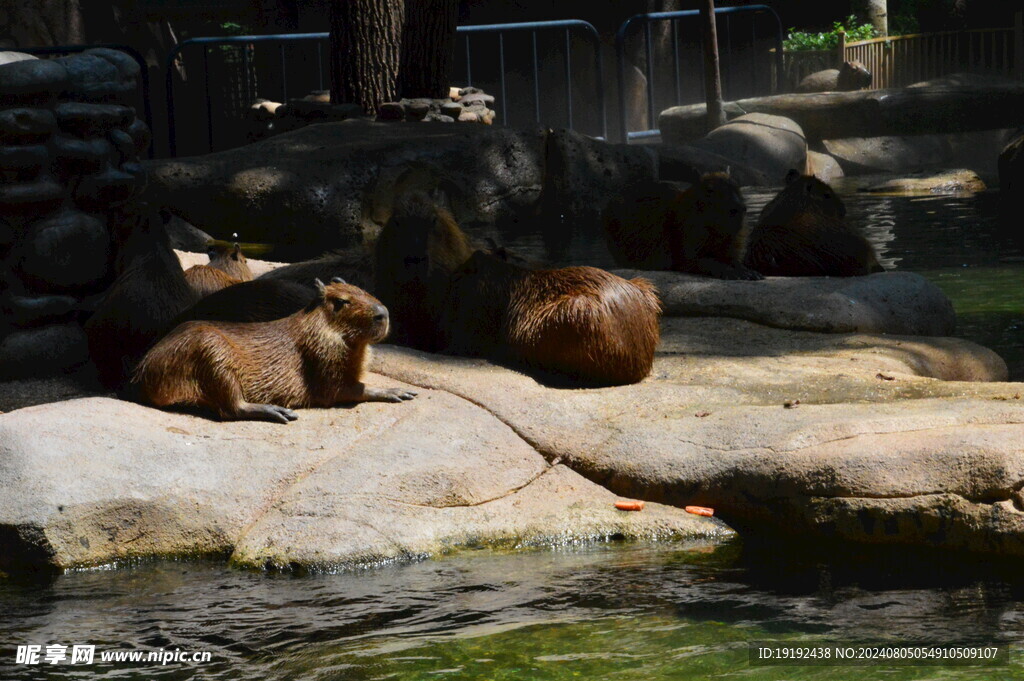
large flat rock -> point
(95, 480)
(888, 302)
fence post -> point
(841, 49)
(1018, 44)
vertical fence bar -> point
(649, 72)
(675, 62)
(469, 70)
(320, 65)
(206, 91)
(284, 75)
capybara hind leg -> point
(248, 411)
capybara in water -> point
(227, 267)
(659, 226)
(852, 76)
(149, 292)
(577, 323)
(802, 232)
(260, 371)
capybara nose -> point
(380, 313)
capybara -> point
(416, 254)
(802, 232)
(259, 300)
(700, 230)
(353, 266)
(227, 267)
(149, 292)
(260, 371)
(577, 323)
(852, 76)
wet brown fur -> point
(802, 232)
(576, 323)
(227, 267)
(313, 358)
(700, 230)
(149, 292)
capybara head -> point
(853, 76)
(417, 251)
(808, 193)
(351, 311)
(718, 198)
(229, 259)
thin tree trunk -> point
(366, 40)
(428, 48)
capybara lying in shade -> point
(802, 232)
(261, 371)
(149, 292)
(577, 324)
(661, 226)
(852, 76)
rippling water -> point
(626, 611)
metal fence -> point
(730, 42)
(144, 89)
(253, 76)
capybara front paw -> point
(266, 412)
(393, 394)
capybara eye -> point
(339, 303)
(412, 260)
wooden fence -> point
(899, 61)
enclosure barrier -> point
(147, 106)
(646, 20)
(569, 26)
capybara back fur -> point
(149, 292)
(259, 300)
(802, 232)
(660, 226)
(577, 323)
(852, 76)
(227, 267)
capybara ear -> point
(792, 176)
(237, 252)
(320, 288)
(337, 280)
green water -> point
(614, 611)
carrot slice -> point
(629, 505)
(700, 510)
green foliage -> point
(903, 24)
(802, 40)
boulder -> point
(927, 184)
(41, 351)
(331, 186)
(823, 166)
(65, 251)
(30, 80)
(771, 145)
(98, 75)
(26, 125)
(889, 302)
(340, 487)
(1011, 165)
(686, 163)
(912, 153)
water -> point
(617, 611)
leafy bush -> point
(802, 40)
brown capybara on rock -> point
(260, 371)
(579, 324)
(802, 232)
(852, 76)
(227, 267)
(149, 292)
(700, 230)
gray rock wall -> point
(69, 151)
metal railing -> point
(584, 28)
(726, 38)
(246, 44)
(144, 95)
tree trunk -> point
(428, 48)
(877, 13)
(366, 38)
(712, 73)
